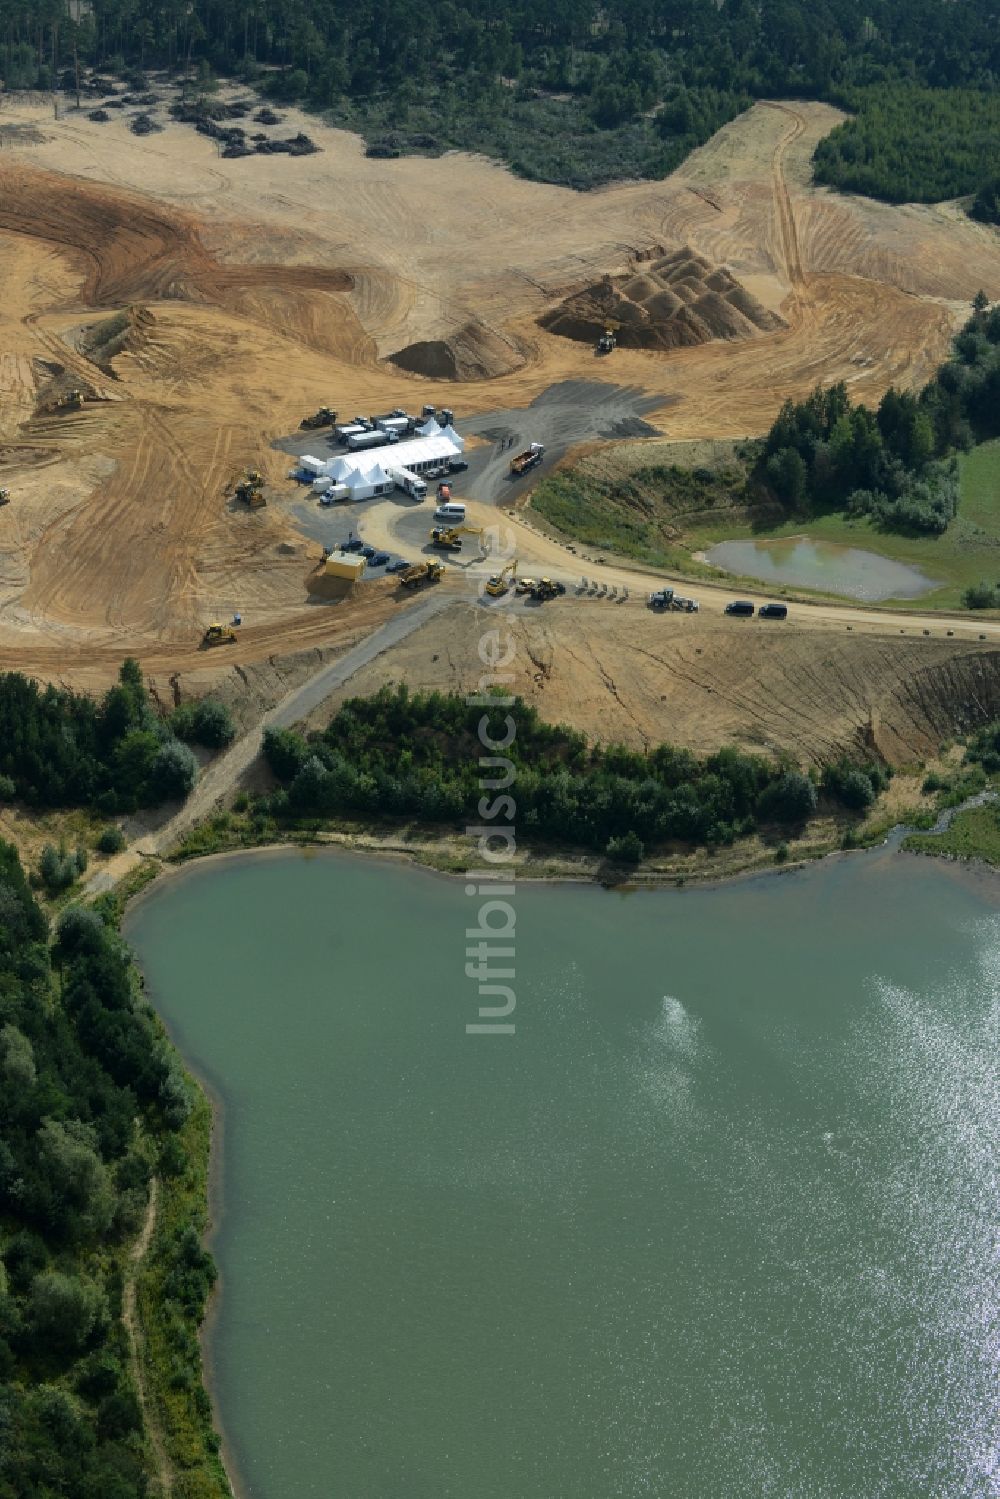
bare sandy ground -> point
(275, 284)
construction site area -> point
(181, 331)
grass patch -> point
(973, 834)
(664, 513)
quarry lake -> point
(717, 1219)
(825, 565)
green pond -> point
(716, 1222)
(825, 565)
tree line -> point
(400, 754)
(572, 92)
(895, 464)
(93, 1103)
(909, 144)
(114, 755)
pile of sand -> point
(472, 352)
(663, 301)
(124, 331)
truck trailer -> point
(527, 460)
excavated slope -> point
(472, 352)
(663, 301)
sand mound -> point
(663, 301)
(472, 352)
(123, 331)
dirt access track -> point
(275, 285)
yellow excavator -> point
(219, 635)
(502, 581)
(450, 537)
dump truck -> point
(422, 572)
(607, 341)
(219, 635)
(443, 492)
(324, 417)
(526, 460)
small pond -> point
(824, 565)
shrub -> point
(627, 849)
(8, 789)
(792, 799)
(111, 840)
(58, 869)
(174, 771)
(981, 595)
(207, 722)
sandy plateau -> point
(269, 285)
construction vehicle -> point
(4, 496)
(422, 572)
(663, 598)
(219, 635)
(546, 589)
(251, 489)
(500, 582)
(71, 401)
(607, 341)
(443, 492)
(324, 417)
(450, 537)
(526, 460)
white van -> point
(453, 510)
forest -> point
(64, 749)
(399, 754)
(94, 1104)
(573, 92)
(895, 464)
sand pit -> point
(663, 301)
(268, 286)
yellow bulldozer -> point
(251, 489)
(72, 400)
(219, 635)
(501, 582)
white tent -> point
(429, 429)
(378, 476)
(452, 436)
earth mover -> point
(450, 537)
(527, 460)
(219, 635)
(607, 342)
(71, 401)
(501, 582)
(422, 572)
(546, 589)
(4, 496)
(324, 417)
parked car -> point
(399, 566)
(457, 465)
(739, 606)
(773, 611)
(354, 545)
(380, 559)
(368, 552)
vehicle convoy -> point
(219, 635)
(773, 611)
(324, 417)
(527, 460)
(742, 607)
(422, 572)
(501, 582)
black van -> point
(739, 606)
(773, 611)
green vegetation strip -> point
(972, 834)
